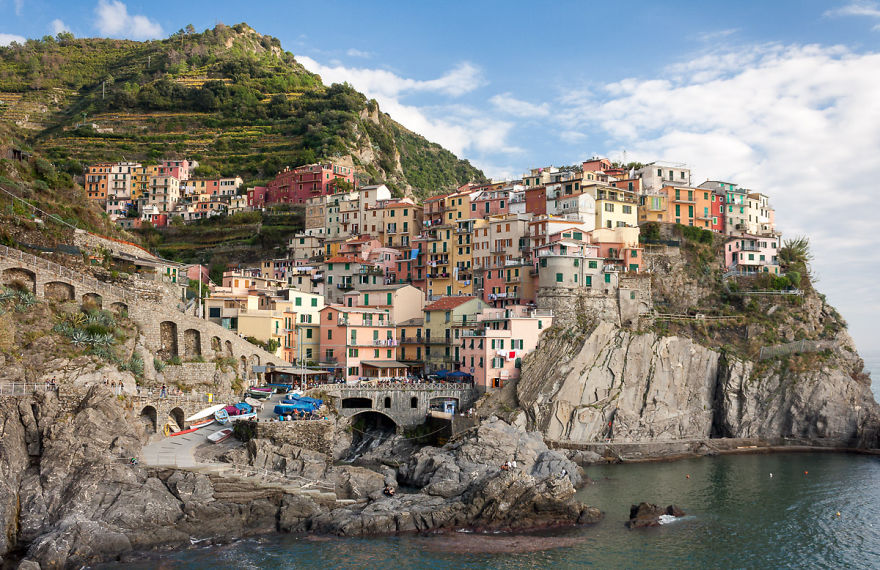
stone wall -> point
(406, 405)
(92, 242)
(568, 304)
(316, 435)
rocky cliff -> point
(69, 497)
(631, 386)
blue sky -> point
(779, 96)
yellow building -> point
(411, 342)
(616, 208)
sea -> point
(786, 510)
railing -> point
(405, 386)
(65, 273)
(385, 342)
(412, 340)
(794, 347)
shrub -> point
(158, 365)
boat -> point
(205, 413)
(220, 436)
(255, 404)
(243, 417)
(259, 392)
(193, 427)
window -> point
(366, 299)
(627, 209)
(298, 302)
(214, 312)
(635, 253)
(353, 336)
(609, 207)
(352, 352)
(376, 353)
(588, 282)
(607, 278)
(593, 264)
(559, 277)
(315, 302)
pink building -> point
(750, 255)
(494, 341)
(304, 182)
(180, 169)
(491, 203)
(359, 343)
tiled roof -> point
(344, 259)
(448, 303)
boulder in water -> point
(646, 514)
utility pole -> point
(103, 90)
(200, 290)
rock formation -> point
(69, 498)
(623, 386)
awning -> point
(299, 371)
(384, 364)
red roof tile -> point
(344, 259)
(448, 303)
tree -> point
(190, 29)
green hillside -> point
(228, 97)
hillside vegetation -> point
(228, 97)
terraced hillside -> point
(229, 97)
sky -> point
(780, 97)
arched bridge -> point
(405, 404)
(168, 333)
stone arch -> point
(150, 418)
(253, 361)
(192, 343)
(25, 277)
(437, 403)
(119, 308)
(178, 416)
(228, 344)
(413, 402)
(216, 345)
(244, 368)
(387, 402)
(356, 403)
(167, 340)
(92, 300)
(59, 291)
(375, 418)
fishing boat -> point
(259, 392)
(193, 427)
(207, 412)
(220, 436)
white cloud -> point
(58, 26)
(113, 20)
(6, 39)
(459, 128)
(352, 52)
(518, 108)
(869, 9)
(462, 79)
(799, 123)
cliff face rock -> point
(463, 485)
(644, 387)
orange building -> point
(688, 206)
(96, 180)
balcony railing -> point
(344, 286)
(412, 340)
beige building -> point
(616, 208)
(442, 346)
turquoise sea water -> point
(738, 517)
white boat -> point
(205, 413)
(243, 417)
(220, 436)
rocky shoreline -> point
(69, 498)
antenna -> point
(624, 157)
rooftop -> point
(448, 303)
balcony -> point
(436, 340)
(412, 340)
(344, 286)
(372, 270)
(388, 342)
